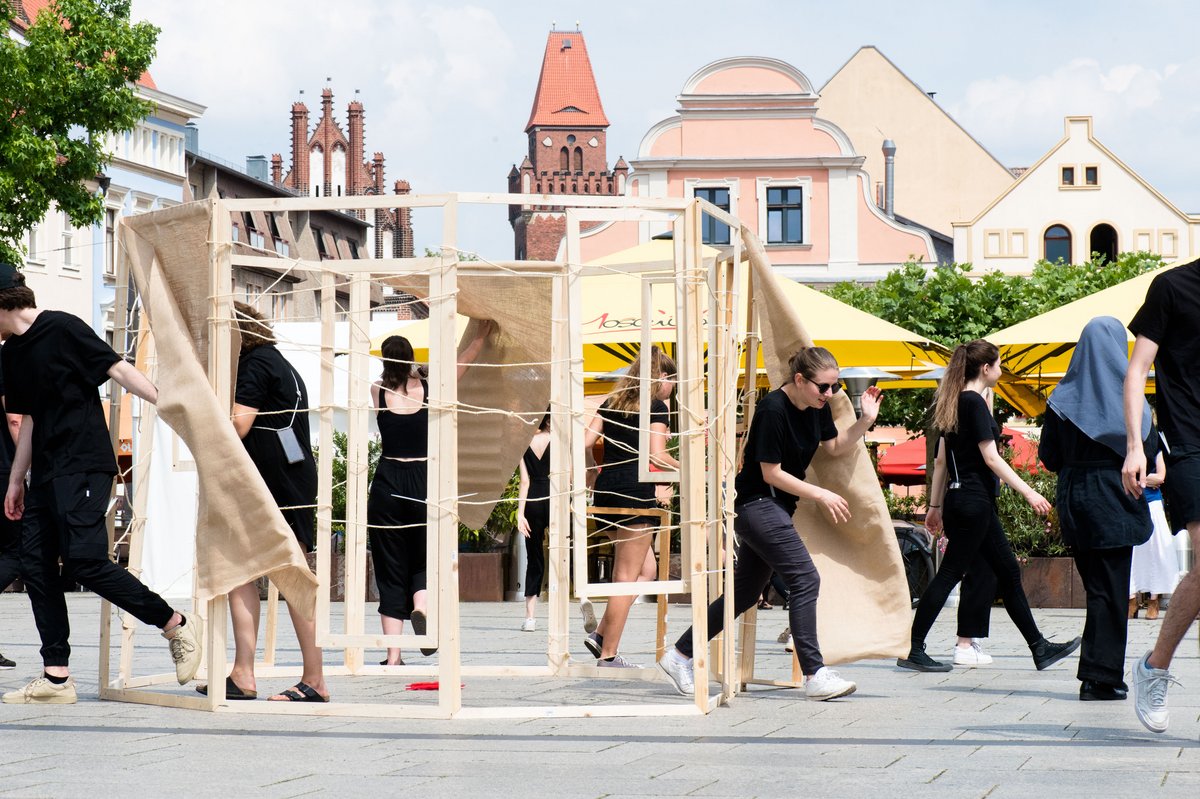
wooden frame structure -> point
(707, 454)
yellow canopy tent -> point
(613, 318)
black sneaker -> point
(1047, 653)
(917, 660)
(594, 643)
(5, 663)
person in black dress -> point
(270, 398)
(618, 486)
(396, 511)
(1083, 440)
(969, 487)
(533, 515)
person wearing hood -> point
(1083, 440)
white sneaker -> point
(618, 662)
(589, 615)
(972, 655)
(1150, 695)
(529, 626)
(43, 692)
(680, 670)
(186, 648)
(827, 684)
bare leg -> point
(244, 607)
(421, 601)
(392, 627)
(1185, 604)
(530, 606)
(314, 672)
(631, 548)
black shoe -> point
(5, 663)
(1047, 653)
(594, 643)
(917, 660)
(419, 622)
(1090, 691)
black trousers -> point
(10, 548)
(64, 518)
(1105, 576)
(975, 600)
(537, 513)
(973, 529)
(768, 541)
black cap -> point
(10, 277)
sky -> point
(448, 86)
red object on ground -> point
(904, 464)
(427, 686)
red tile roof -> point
(566, 92)
(26, 12)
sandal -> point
(764, 605)
(300, 692)
(232, 690)
(419, 622)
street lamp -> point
(859, 378)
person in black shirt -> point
(1083, 440)
(789, 425)
(533, 515)
(1167, 328)
(969, 486)
(53, 363)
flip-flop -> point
(232, 690)
(300, 692)
(417, 617)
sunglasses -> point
(825, 388)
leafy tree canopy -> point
(62, 93)
(950, 307)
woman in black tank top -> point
(533, 515)
(396, 510)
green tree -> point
(948, 306)
(62, 93)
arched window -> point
(578, 159)
(564, 157)
(1103, 242)
(1056, 244)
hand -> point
(523, 526)
(870, 403)
(1041, 505)
(664, 493)
(14, 501)
(1154, 480)
(1133, 473)
(933, 520)
(835, 506)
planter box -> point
(1052, 583)
(481, 576)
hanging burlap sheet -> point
(864, 610)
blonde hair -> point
(625, 396)
(964, 367)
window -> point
(564, 158)
(319, 235)
(353, 248)
(1057, 244)
(1068, 176)
(713, 231)
(579, 159)
(1091, 176)
(233, 230)
(110, 242)
(785, 215)
(257, 240)
(68, 243)
(35, 252)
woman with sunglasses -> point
(968, 484)
(789, 425)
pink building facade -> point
(747, 136)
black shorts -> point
(1181, 489)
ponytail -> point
(964, 367)
(809, 360)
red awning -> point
(904, 464)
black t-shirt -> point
(621, 435)
(52, 371)
(8, 449)
(784, 434)
(964, 461)
(266, 381)
(1169, 318)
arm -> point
(659, 455)
(14, 425)
(132, 380)
(243, 417)
(468, 355)
(591, 435)
(522, 495)
(849, 438)
(937, 490)
(999, 467)
(1159, 476)
(1133, 473)
(835, 506)
(14, 497)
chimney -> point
(256, 167)
(378, 172)
(889, 178)
(191, 138)
(355, 184)
(300, 148)
(277, 169)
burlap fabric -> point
(864, 610)
(240, 533)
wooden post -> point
(325, 464)
(561, 470)
(356, 464)
(748, 629)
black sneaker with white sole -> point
(917, 660)
(5, 663)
